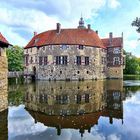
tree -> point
(136, 23)
(15, 58)
(132, 65)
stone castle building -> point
(74, 54)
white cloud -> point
(113, 4)
(113, 137)
(20, 122)
(42, 15)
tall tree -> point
(15, 58)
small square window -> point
(43, 48)
(63, 47)
(81, 47)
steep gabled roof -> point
(116, 42)
(66, 36)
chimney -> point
(58, 28)
(97, 32)
(89, 27)
(110, 37)
(35, 33)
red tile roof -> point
(116, 42)
(66, 36)
(2, 39)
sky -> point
(19, 19)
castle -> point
(74, 54)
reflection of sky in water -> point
(132, 83)
(21, 126)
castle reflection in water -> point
(76, 105)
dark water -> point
(89, 110)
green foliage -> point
(15, 58)
(136, 23)
(132, 65)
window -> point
(43, 48)
(26, 50)
(86, 98)
(31, 50)
(79, 98)
(45, 60)
(78, 60)
(81, 47)
(116, 61)
(26, 60)
(63, 47)
(40, 60)
(36, 40)
(50, 47)
(103, 60)
(61, 60)
(64, 60)
(36, 59)
(31, 60)
(86, 60)
(58, 60)
(116, 50)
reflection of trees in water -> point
(16, 94)
(131, 90)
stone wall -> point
(95, 69)
(115, 72)
(3, 81)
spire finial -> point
(81, 22)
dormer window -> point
(36, 40)
(81, 47)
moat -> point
(101, 110)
